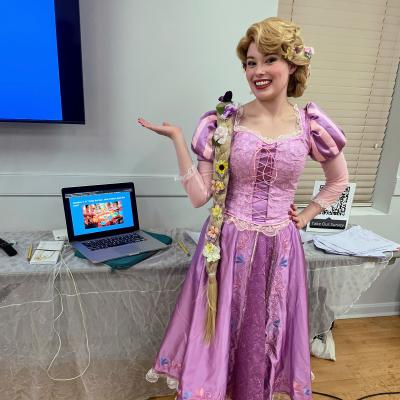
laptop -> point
(102, 222)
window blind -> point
(353, 72)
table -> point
(80, 331)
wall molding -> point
(49, 185)
(397, 187)
(372, 310)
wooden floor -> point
(367, 360)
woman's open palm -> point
(166, 129)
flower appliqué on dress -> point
(283, 263)
(300, 388)
(239, 259)
(274, 324)
(164, 361)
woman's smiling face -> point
(267, 75)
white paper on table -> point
(195, 236)
(53, 245)
(356, 241)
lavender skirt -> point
(261, 345)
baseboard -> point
(372, 310)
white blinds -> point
(353, 71)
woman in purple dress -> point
(261, 343)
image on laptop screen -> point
(98, 211)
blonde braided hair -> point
(222, 148)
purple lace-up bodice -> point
(264, 174)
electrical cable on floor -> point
(377, 394)
(331, 396)
(360, 398)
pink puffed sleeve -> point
(326, 138)
(197, 181)
(326, 143)
(202, 137)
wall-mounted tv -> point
(41, 61)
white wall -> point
(163, 61)
(160, 60)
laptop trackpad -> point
(123, 251)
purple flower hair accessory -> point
(229, 110)
(226, 98)
(309, 52)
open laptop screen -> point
(100, 211)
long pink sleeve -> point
(337, 177)
(197, 180)
(197, 183)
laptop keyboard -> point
(105, 243)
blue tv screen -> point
(41, 61)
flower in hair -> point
(211, 252)
(221, 134)
(226, 98)
(308, 52)
(217, 186)
(221, 166)
(229, 110)
(213, 232)
(216, 212)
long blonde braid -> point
(222, 148)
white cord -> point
(58, 333)
(78, 294)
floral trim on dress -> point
(199, 394)
(152, 376)
(196, 394)
(268, 230)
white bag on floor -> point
(323, 346)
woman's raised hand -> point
(166, 129)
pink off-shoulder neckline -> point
(265, 138)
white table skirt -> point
(80, 331)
